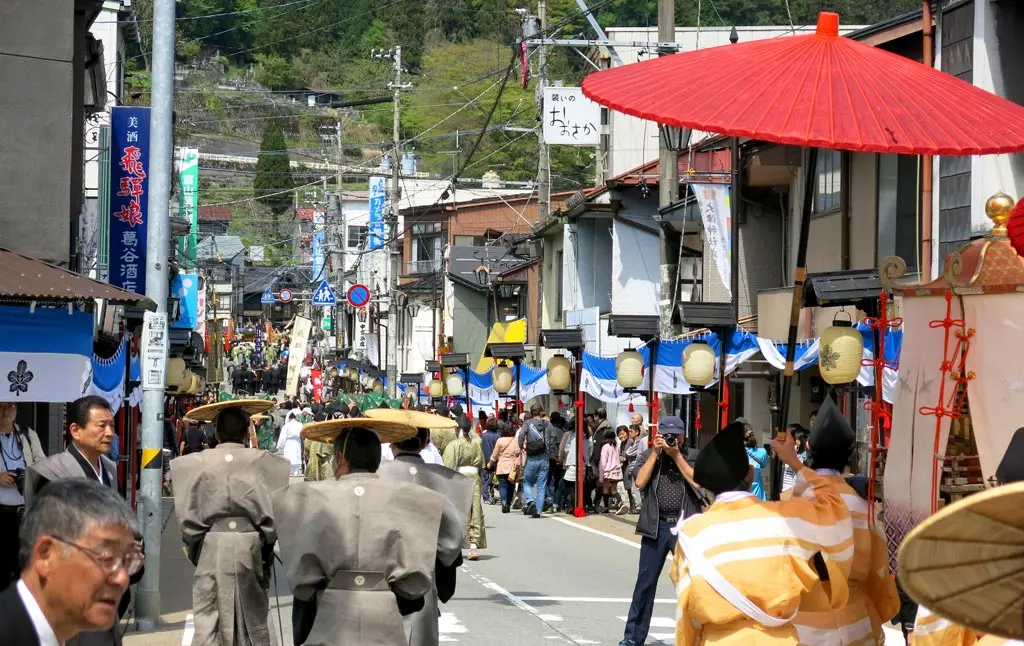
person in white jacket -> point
(289, 444)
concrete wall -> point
(469, 320)
(863, 210)
(41, 154)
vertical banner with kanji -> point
(129, 197)
(188, 201)
(716, 214)
(376, 231)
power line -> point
(208, 15)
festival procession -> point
(662, 322)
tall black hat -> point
(722, 465)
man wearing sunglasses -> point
(77, 554)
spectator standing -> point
(666, 480)
(625, 490)
(570, 462)
(489, 439)
(194, 439)
(555, 430)
(535, 472)
(504, 456)
(19, 449)
(757, 457)
(788, 477)
(610, 467)
(79, 552)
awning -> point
(27, 279)
(45, 354)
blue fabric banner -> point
(129, 197)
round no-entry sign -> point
(358, 295)
(285, 295)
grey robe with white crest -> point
(421, 627)
(353, 547)
(222, 502)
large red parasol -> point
(815, 90)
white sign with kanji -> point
(570, 118)
(154, 350)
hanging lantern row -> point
(559, 373)
(841, 349)
(629, 369)
(698, 364)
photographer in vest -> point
(19, 449)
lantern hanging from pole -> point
(841, 348)
(559, 373)
(698, 364)
(455, 385)
(502, 378)
(378, 386)
(629, 369)
(435, 389)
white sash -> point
(700, 565)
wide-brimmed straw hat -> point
(411, 417)
(209, 412)
(966, 563)
(388, 431)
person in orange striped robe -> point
(742, 567)
(873, 598)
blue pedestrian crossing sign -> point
(268, 297)
(324, 295)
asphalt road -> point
(541, 581)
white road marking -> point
(190, 630)
(550, 617)
(663, 623)
(448, 623)
(590, 599)
(617, 539)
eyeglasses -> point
(109, 563)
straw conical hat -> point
(412, 418)
(209, 412)
(388, 431)
(966, 563)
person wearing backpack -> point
(535, 473)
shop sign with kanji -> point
(570, 118)
(129, 197)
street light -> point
(414, 309)
(675, 138)
(482, 274)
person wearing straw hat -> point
(465, 454)
(353, 548)
(222, 503)
(742, 567)
(409, 466)
(873, 598)
(963, 564)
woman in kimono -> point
(222, 502)
(465, 454)
(873, 598)
(742, 567)
(289, 443)
(353, 547)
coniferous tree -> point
(273, 173)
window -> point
(469, 241)
(559, 256)
(898, 197)
(828, 187)
(355, 237)
(426, 248)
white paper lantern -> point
(377, 385)
(699, 364)
(841, 348)
(454, 384)
(436, 388)
(502, 378)
(629, 369)
(559, 373)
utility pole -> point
(391, 358)
(157, 239)
(668, 177)
(543, 152)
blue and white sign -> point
(129, 197)
(268, 297)
(45, 355)
(324, 296)
(319, 254)
(185, 287)
(375, 231)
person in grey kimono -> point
(353, 548)
(409, 466)
(91, 429)
(222, 503)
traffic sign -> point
(358, 295)
(268, 297)
(324, 296)
(285, 295)
(325, 324)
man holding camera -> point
(19, 449)
(669, 492)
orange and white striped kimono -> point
(933, 630)
(873, 598)
(759, 554)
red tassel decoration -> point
(631, 409)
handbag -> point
(515, 474)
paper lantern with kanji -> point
(840, 351)
(502, 378)
(698, 364)
(559, 373)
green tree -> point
(276, 72)
(273, 179)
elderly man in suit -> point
(78, 553)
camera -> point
(670, 439)
(19, 480)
